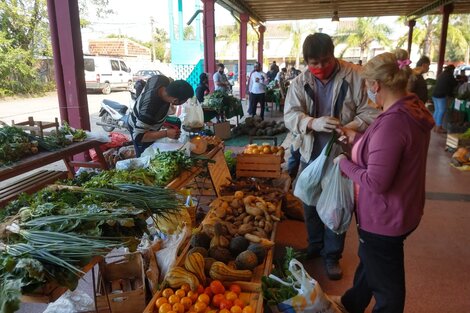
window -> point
(115, 65)
(89, 65)
(124, 66)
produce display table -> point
(44, 158)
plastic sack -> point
(310, 297)
(193, 115)
(72, 302)
(336, 202)
(307, 187)
(132, 164)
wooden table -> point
(44, 158)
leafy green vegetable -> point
(167, 165)
(14, 144)
(224, 104)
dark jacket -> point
(417, 85)
(201, 91)
(445, 85)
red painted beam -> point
(261, 30)
(243, 44)
(411, 25)
(209, 39)
(446, 11)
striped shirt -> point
(150, 110)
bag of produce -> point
(193, 115)
(308, 297)
(308, 187)
(336, 202)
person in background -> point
(280, 80)
(151, 109)
(203, 88)
(220, 79)
(444, 89)
(327, 94)
(257, 88)
(271, 74)
(388, 168)
(293, 73)
(275, 67)
(416, 83)
(359, 62)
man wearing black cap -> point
(151, 109)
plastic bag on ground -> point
(72, 302)
(336, 202)
(310, 297)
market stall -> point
(142, 217)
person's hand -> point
(324, 124)
(348, 132)
(339, 158)
(173, 133)
(257, 79)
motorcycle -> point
(115, 115)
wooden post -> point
(243, 44)
(411, 25)
(446, 10)
(209, 40)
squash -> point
(247, 260)
(178, 276)
(194, 263)
(222, 272)
(238, 245)
(207, 265)
(201, 250)
(220, 254)
(200, 239)
(259, 250)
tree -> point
(161, 41)
(231, 34)
(188, 33)
(367, 30)
(297, 30)
(99, 7)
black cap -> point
(180, 89)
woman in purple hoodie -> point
(388, 167)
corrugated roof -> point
(271, 10)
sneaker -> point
(337, 301)
(333, 270)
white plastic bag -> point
(193, 115)
(71, 302)
(336, 202)
(310, 297)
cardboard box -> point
(222, 130)
(121, 283)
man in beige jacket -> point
(327, 95)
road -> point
(46, 108)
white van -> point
(106, 73)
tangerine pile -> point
(212, 299)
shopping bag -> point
(310, 297)
(336, 204)
(193, 115)
(308, 187)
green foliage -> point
(24, 34)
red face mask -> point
(323, 72)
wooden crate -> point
(37, 128)
(251, 291)
(259, 165)
(121, 285)
(455, 140)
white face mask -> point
(372, 95)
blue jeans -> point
(293, 162)
(439, 109)
(321, 238)
(380, 273)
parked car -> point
(145, 74)
(106, 73)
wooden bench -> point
(29, 184)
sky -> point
(133, 18)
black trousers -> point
(380, 273)
(254, 99)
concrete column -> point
(68, 60)
(446, 11)
(411, 25)
(261, 30)
(243, 44)
(209, 40)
